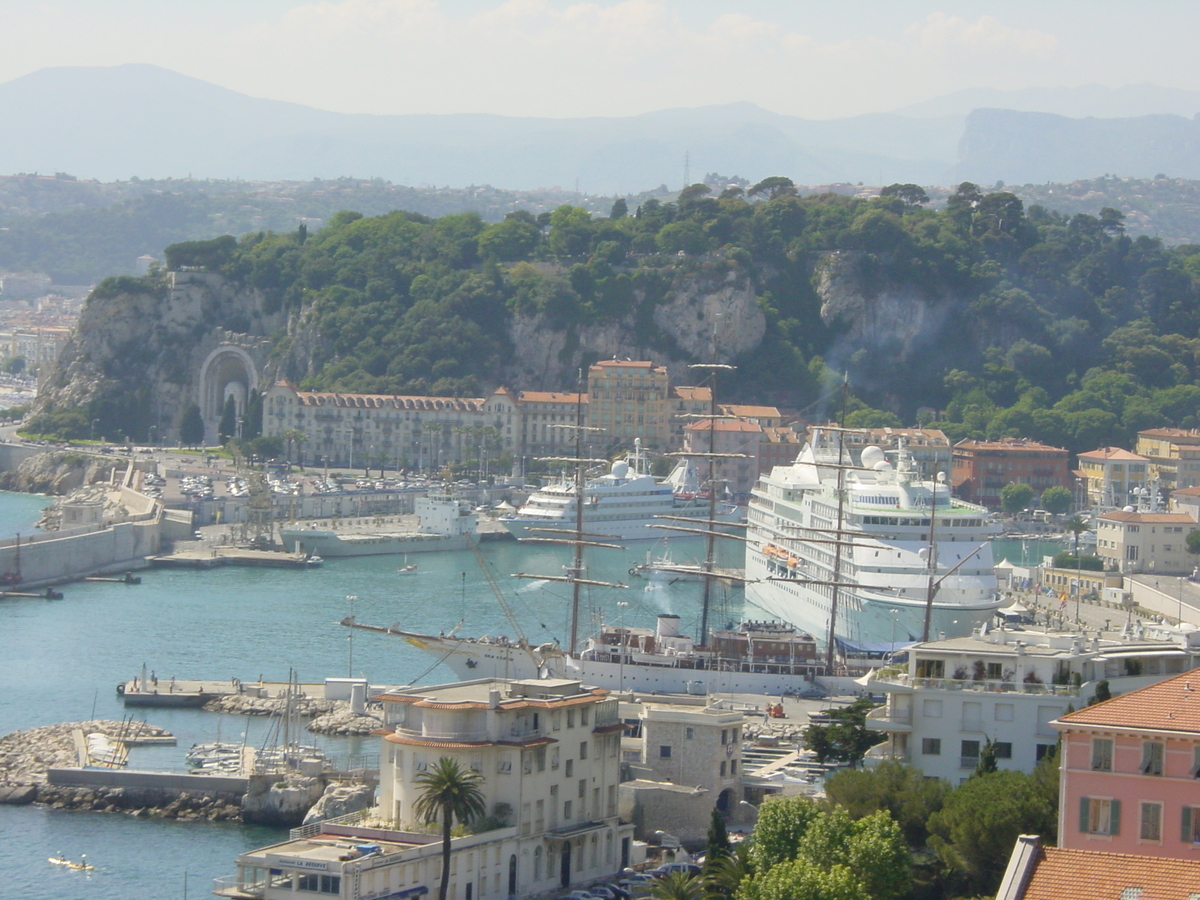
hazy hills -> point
(116, 122)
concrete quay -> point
(150, 690)
(213, 557)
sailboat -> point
(753, 657)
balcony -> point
(985, 685)
(890, 720)
(229, 887)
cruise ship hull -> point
(471, 658)
(638, 529)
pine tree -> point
(716, 845)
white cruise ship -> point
(869, 548)
(621, 504)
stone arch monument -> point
(228, 371)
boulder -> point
(341, 800)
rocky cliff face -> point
(874, 317)
(136, 352)
(55, 473)
(684, 323)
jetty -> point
(214, 557)
(147, 689)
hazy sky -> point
(814, 58)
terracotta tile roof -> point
(550, 397)
(1093, 875)
(724, 425)
(750, 412)
(1111, 453)
(1171, 705)
(1181, 435)
(1014, 445)
(1119, 515)
(627, 364)
(691, 392)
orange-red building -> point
(981, 469)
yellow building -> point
(1173, 455)
(627, 399)
(1109, 474)
(1154, 542)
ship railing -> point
(984, 684)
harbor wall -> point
(12, 455)
(58, 556)
(139, 779)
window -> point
(690, 733)
(570, 718)
(1102, 752)
(583, 749)
(733, 767)
(553, 758)
(1152, 758)
(931, 746)
(582, 789)
(1191, 825)
(664, 751)
(567, 811)
(570, 768)
(994, 671)
(583, 716)
(320, 884)
(1151, 829)
(722, 768)
(724, 737)
(540, 755)
(1044, 750)
(969, 754)
(1099, 816)
(1002, 749)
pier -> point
(213, 557)
(150, 690)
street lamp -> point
(624, 605)
(350, 668)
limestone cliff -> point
(673, 330)
(138, 352)
(874, 315)
(56, 472)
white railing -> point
(984, 684)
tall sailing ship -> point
(861, 550)
(753, 657)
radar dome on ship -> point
(871, 456)
(620, 468)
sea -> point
(60, 661)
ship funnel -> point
(668, 626)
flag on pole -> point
(1062, 601)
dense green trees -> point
(1060, 328)
(846, 738)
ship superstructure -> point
(853, 545)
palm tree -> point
(724, 875)
(674, 886)
(449, 790)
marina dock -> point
(213, 557)
(149, 690)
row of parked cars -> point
(630, 886)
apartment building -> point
(548, 753)
(627, 399)
(981, 469)
(1173, 456)
(1129, 772)
(1109, 474)
(1154, 542)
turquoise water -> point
(62, 659)
(19, 513)
(1027, 552)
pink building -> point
(1129, 772)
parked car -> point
(577, 895)
(608, 891)
(690, 869)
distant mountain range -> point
(122, 121)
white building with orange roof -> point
(542, 415)
(1153, 542)
(1109, 474)
(684, 405)
(548, 753)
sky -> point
(566, 58)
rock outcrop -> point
(697, 306)
(341, 800)
(56, 472)
(343, 721)
(280, 801)
(25, 756)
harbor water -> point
(63, 658)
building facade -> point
(627, 400)
(1008, 687)
(981, 469)
(1173, 456)
(1132, 542)
(1109, 475)
(1129, 772)
(738, 438)
(548, 753)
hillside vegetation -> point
(1032, 323)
